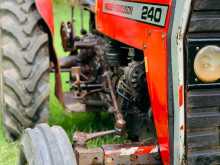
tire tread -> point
(25, 62)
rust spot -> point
(149, 33)
(182, 127)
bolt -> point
(163, 35)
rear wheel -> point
(24, 66)
(46, 145)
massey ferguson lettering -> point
(147, 13)
(119, 8)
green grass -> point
(88, 122)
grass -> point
(70, 122)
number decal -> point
(158, 14)
(144, 12)
(153, 14)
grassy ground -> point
(70, 122)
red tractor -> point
(153, 64)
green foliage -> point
(60, 1)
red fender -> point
(45, 8)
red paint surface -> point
(131, 150)
(181, 98)
(153, 41)
(143, 150)
(45, 8)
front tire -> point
(46, 145)
(24, 66)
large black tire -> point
(46, 145)
(24, 66)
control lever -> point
(80, 138)
(119, 119)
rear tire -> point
(24, 66)
(46, 145)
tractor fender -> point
(45, 8)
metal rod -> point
(61, 70)
(96, 103)
(80, 138)
(120, 122)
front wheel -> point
(46, 145)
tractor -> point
(153, 64)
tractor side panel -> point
(118, 23)
(45, 8)
(127, 22)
